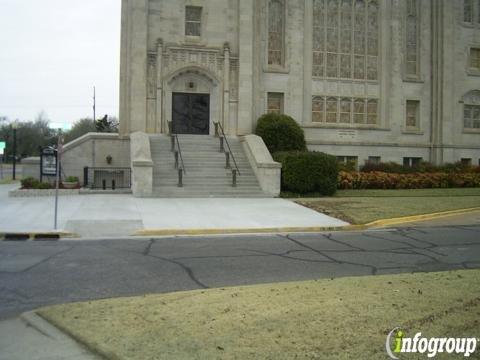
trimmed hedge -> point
(280, 133)
(305, 172)
(382, 180)
(423, 167)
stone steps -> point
(205, 175)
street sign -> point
(2, 147)
(48, 162)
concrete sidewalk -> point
(30, 337)
(124, 215)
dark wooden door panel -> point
(191, 113)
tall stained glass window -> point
(411, 39)
(345, 39)
(276, 32)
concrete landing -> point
(95, 216)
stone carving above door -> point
(175, 58)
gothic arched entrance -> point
(193, 101)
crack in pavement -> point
(298, 242)
(146, 252)
(45, 260)
(407, 244)
(330, 238)
(285, 256)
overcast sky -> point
(52, 53)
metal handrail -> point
(182, 167)
(228, 145)
(175, 141)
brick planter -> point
(41, 193)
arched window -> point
(372, 112)
(345, 111)
(332, 110)
(468, 11)
(276, 32)
(471, 12)
(471, 110)
(318, 109)
(411, 41)
(359, 111)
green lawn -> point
(8, 180)
(347, 318)
(364, 206)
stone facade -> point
(389, 80)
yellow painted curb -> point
(167, 232)
(423, 217)
(373, 224)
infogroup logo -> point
(398, 343)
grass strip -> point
(325, 319)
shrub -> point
(32, 183)
(305, 172)
(281, 133)
(383, 180)
(44, 185)
(72, 179)
(29, 183)
(423, 167)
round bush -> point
(306, 172)
(280, 133)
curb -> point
(423, 217)
(370, 225)
(36, 236)
(38, 323)
(195, 232)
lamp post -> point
(14, 127)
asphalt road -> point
(33, 274)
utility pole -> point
(58, 177)
(94, 104)
(14, 126)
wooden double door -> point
(191, 113)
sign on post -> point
(48, 162)
(2, 147)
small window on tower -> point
(412, 111)
(475, 58)
(275, 103)
(193, 20)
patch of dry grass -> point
(362, 210)
(326, 319)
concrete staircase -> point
(205, 175)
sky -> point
(52, 54)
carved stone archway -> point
(194, 79)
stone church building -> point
(378, 80)
(367, 80)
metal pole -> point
(227, 160)
(234, 178)
(14, 152)
(57, 177)
(180, 177)
(94, 105)
(221, 144)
